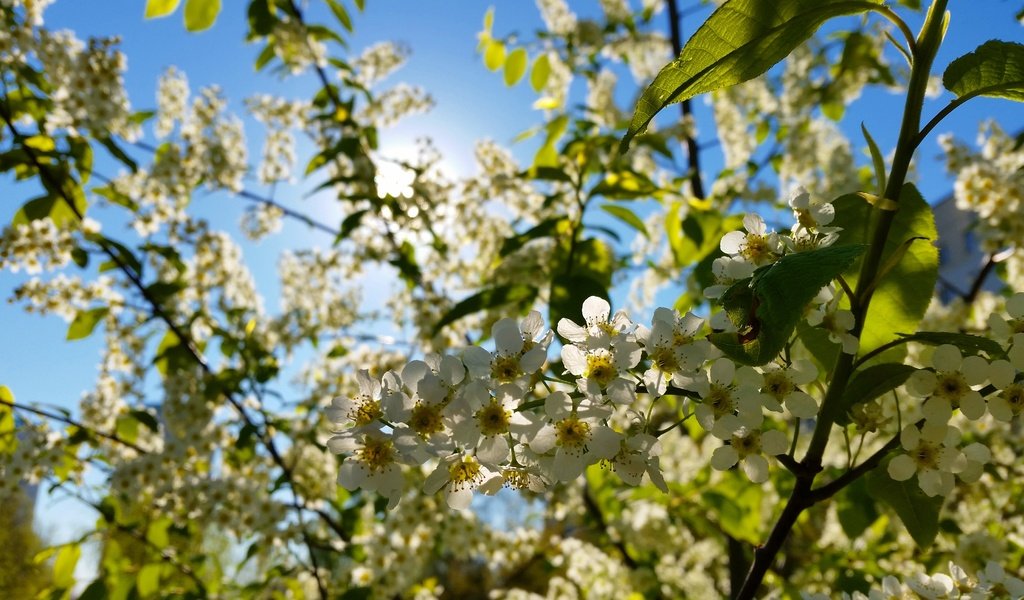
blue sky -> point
(471, 103)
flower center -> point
(376, 453)
(951, 386)
(926, 455)
(1014, 396)
(572, 434)
(600, 368)
(505, 367)
(426, 419)
(720, 400)
(665, 359)
(366, 412)
(757, 249)
(778, 385)
(748, 444)
(464, 473)
(493, 419)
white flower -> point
(931, 453)
(838, 323)
(484, 421)
(363, 410)
(780, 386)
(372, 463)
(1010, 400)
(518, 353)
(459, 476)
(637, 455)
(1000, 584)
(598, 330)
(746, 447)
(577, 434)
(757, 246)
(671, 346)
(604, 370)
(950, 386)
(810, 214)
(1011, 331)
(730, 399)
(932, 587)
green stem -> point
(802, 497)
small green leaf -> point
(85, 322)
(540, 73)
(494, 55)
(767, 307)
(261, 18)
(156, 533)
(626, 216)
(994, 69)
(200, 14)
(488, 298)
(146, 419)
(97, 590)
(148, 582)
(160, 8)
(545, 228)
(489, 20)
(739, 41)
(871, 383)
(349, 224)
(967, 343)
(341, 14)
(515, 66)
(918, 512)
(876, 160)
(64, 565)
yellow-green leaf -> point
(149, 580)
(160, 8)
(494, 55)
(200, 14)
(64, 566)
(515, 66)
(540, 73)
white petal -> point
(532, 325)
(972, 405)
(544, 441)
(596, 310)
(975, 370)
(724, 457)
(902, 468)
(1001, 373)
(937, 410)
(533, 360)
(733, 242)
(801, 405)
(567, 466)
(558, 405)
(756, 467)
(722, 371)
(571, 331)
(493, 450)
(478, 361)
(604, 443)
(507, 337)
(947, 357)
(460, 499)
(574, 360)
(351, 475)
(774, 442)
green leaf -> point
(200, 14)
(97, 590)
(119, 153)
(737, 505)
(160, 8)
(349, 224)
(740, 40)
(876, 160)
(488, 298)
(261, 18)
(50, 206)
(967, 343)
(146, 419)
(856, 509)
(494, 55)
(85, 322)
(545, 228)
(994, 69)
(624, 185)
(171, 355)
(64, 565)
(540, 73)
(903, 294)
(515, 66)
(767, 307)
(489, 20)
(871, 383)
(918, 512)
(626, 216)
(156, 533)
(341, 14)
(148, 582)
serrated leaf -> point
(488, 298)
(200, 14)
(870, 383)
(540, 73)
(918, 512)
(739, 41)
(994, 69)
(901, 297)
(160, 8)
(85, 322)
(494, 55)
(626, 216)
(767, 307)
(515, 66)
